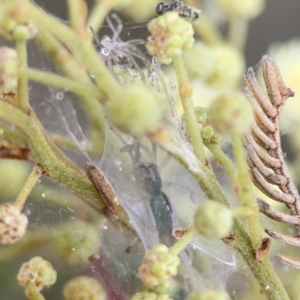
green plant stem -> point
(182, 243)
(75, 14)
(98, 13)
(238, 32)
(188, 108)
(81, 88)
(54, 163)
(224, 160)
(33, 293)
(247, 195)
(12, 135)
(62, 171)
(28, 186)
(262, 269)
(23, 100)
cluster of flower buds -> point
(13, 223)
(8, 70)
(157, 268)
(37, 271)
(14, 26)
(209, 135)
(170, 36)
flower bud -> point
(148, 295)
(157, 268)
(207, 133)
(76, 241)
(199, 61)
(248, 9)
(13, 30)
(213, 220)
(37, 271)
(13, 223)
(8, 70)
(201, 114)
(136, 111)
(170, 36)
(209, 295)
(231, 113)
(228, 68)
(83, 288)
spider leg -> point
(110, 66)
(119, 28)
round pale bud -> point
(83, 288)
(213, 220)
(248, 9)
(37, 271)
(228, 68)
(76, 241)
(13, 223)
(209, 295)
(199, 61)
(148, 295)
(136, 111)
(18, 30)
(207, 133)
(170, 36)
(231, 113)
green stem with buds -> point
(188, 108)
(239, 239)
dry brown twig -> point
(264, 154)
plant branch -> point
(185, 89)
(28, 186)
(23, 100)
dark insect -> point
(183, 10)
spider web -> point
(120, 255)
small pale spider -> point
(183, 10)
(117, 52)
